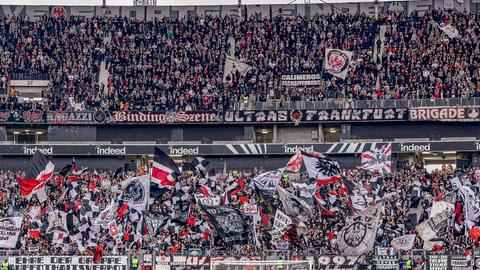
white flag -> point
(136, 192)
(232, 65)
(435, 228)
(281, 220)
(268, 181)
(9, 231)
(337, 62)
(358, 236)
(405, 242)
(378, 160)
(450, 31)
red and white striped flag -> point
(164, 170)
(41, 170)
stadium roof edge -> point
(177, 2)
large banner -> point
(163, 117)
(86, 117)
(67, 263)
(301, 80)
(458, 114)
(314, 116)
(9, 231)
(326, 262)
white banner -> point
(337, 62)
(9, 231)
(358, 236)
(249, 209)
(67, 263)
(208, 201)
(404, 242)
(136, 192)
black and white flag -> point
(154, 222)
(232, 65)
(268, 181)
(10, 228)
(358, 235)
(293, 205)
(416, 209)
(358, 195)
(281, 220)
(229, 223)
(136, 191)
(404, 242)
(337, 62)
(435, 228)
(200, 164)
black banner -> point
(86, 117)
(386, 258)
(326, 262)
(315, 116)
(460, 262)
(438, 262)
(229, 223)
(163, 117)
(450, 114)
(301, 80)
(231, 149)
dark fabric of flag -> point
(181, 214)
(66, 170)
(265, 200)
(156, 191)
(117, 172)
(188, 167)
(229, 223)
(38, 163)
(415, 211)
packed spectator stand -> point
(178, 64)
(77, 192)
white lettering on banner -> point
(182, 150)
(67, 263)
(288, 149)
(414, 147)
(29, 150)
(301, 80)
(111, 150)
(477, 145)
(445, 114)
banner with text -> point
(301, 80)
(450, 114)
(67, 263)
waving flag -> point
(449, 30)
(378, 160)
(232, 65)
(323, 170)
(337, 62)
(164, 170)
(294, 163)
(41, 170)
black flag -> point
(229, 223)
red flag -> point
(191, 221)
(330, 235)
(243, 199)
(439, 197)
(98, 254)
(437, 247)
(175, 249)
(126, 237)
(121, 211)
(184, 233)
(92, 185)
(328, 213)
(474, 234)
(35, 234)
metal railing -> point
(357, 104)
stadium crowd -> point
(182, 228)
(168, 64)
